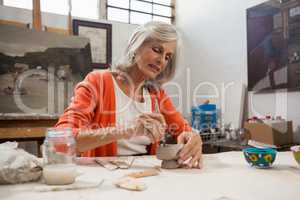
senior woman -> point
(126, 112)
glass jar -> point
(59, 153)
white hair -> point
(154, 30)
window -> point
(51, 6)
(80, 8)
(27, 4)
(83, 9)
(128, 11)
(139, 11)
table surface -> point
(224, 176)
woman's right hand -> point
(152, 125)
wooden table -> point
(25, 127)
(225, 176)
(235, 145)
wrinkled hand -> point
(192, 149)
(152, 125)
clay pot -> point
(169, 151)
(170, 164)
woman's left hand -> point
(192, 149)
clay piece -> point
(129, 183)
(145, 173)
(17, 165)
(169, 154)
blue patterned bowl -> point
(260, 158)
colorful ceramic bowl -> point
(296, 153)
(260, 157)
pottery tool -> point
(114, 164)
(167, 136)
(78, 185)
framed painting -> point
(100, 35)
(273, 40)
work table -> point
(224, 176)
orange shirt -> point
(94, 107)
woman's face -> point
(153, 57)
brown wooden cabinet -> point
(25, 127)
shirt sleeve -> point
(80, 112)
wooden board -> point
(14, 23)
(22, 133)
(57, 30)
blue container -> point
(196, 118)
(208, 116)
(204, 116)
(260, 157)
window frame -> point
(103, 10)
(129, 10)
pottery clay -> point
(170, 164)
(129, 183)
(169, 154)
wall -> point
(120, 35)
(61, 21)
(215, 51)
(213, 54)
